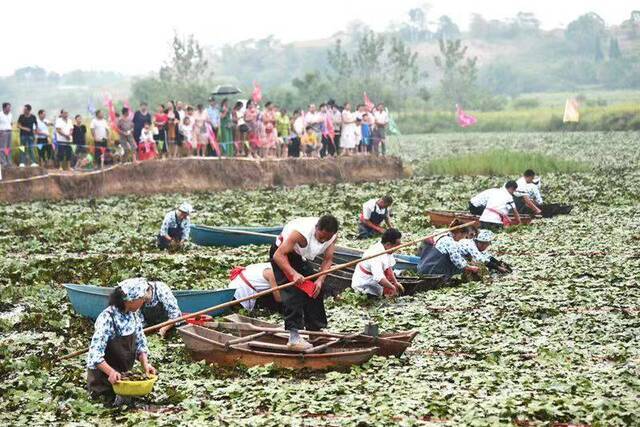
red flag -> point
(128, 106)
(256, 95)
(213, 140)
(108, 102)
(464, 119)
(367, 103)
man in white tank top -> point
(301, 241)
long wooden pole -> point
(277, 288)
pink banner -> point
(464, 119)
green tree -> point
(459, 73)
(187, 61)
(614, 49)
(447, 29)
(586, 33)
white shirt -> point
(371, 206)
(298, 126)
(254, 274)
(481, 199)
(381, 117)
(306, 227)
(146, 136)
(500, 201)
(100, 128)
(312, 119)
(528, 189)
(66, 126)
(370, 283)
(5, 120)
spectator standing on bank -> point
(64, 129)
(27, 125)
(124, 127)
(100, 133)
(140, 118)
(43, 141)
(79, 137)
(6, 128)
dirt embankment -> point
(192, 174)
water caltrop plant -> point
(555, 342)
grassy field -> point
(556, 341)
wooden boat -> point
(387, 344)
(550, 210)
(338, 281)
(440, 218)
(89, 300)
(226, 349)
(233, 236)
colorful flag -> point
(91, 108)
(55, 140)
(74, 148)
(256, 95)
(22, 148)
(393, 128)
(367, 102)
(464, 119)
(571, 113)
(7, 151)
(108, 102)
(213, 140)
(128, 107)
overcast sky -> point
(132, 36)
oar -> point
(277, 288)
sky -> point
(132, 36)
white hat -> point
(484, 236)
(186, 208)
(135, 288)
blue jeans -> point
(27, 142)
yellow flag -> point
(571, 113)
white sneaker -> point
(34, 165)
(21, 165)
(298, 344)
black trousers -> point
(294, 147)
(327, 147)
(491, 226)
(475, 210)
(300, 310)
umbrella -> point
(225, 90)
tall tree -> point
(447, 29)
(586, 33)
(614, 49)
(187, 62)
(459, 72)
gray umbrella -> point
(225, 90)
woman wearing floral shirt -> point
(444, 256)
(160, 303)
(118, 340)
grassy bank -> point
(620, 117)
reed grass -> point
(501, 163)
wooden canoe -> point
(89, 300)
(440, 218)
(387, 344)
(226, 349)
(233, 236)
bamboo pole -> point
(277, 288)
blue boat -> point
(89, 300)
(233, 236)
